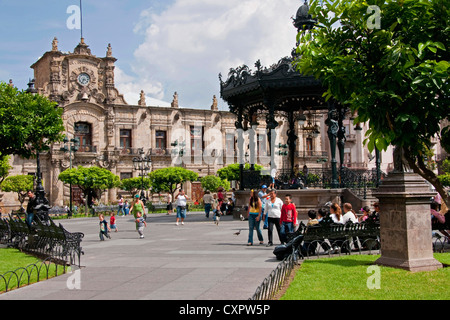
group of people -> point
(217, 204)
(266, 206)
(137, 209)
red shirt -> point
(112, 220)
(288, 213)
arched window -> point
(83, 131)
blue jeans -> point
(29, 218)
(286, 227)
(181, 212)
(120, 209)
(207, 209)
(252, 223)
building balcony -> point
(87, 149)
(311, 155)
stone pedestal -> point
(405, 223)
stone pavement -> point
(194, 261)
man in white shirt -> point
(349, 214)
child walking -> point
(112, 221)
(104, 228)
(140, 224)
(217, 214)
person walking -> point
(120, 209)
(140, 224)
(126, 208)
(273, 212)
(208, 201)
(181, 206)
(104, 228)
(30, 208)
(112, 222)
(254, 218)
(137, 206)
(169, 203)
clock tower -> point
(83, 85)
(77, 77)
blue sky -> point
(162, 46)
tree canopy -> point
(19, 184)
(394, 76)
(231, 172)
(213, 183)
(133, 185)
(171, 178)
(28, 123)
(92, 181)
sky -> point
(162, 46)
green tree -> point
(213, 183)
(92, 181)
(133, 185)
(171, 178)
(394, 77)
(28, 123)
(231, 172)
(19, 184)
(4, 167)
(445, 177)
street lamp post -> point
(41, 205)
(142, 164)
(70, 146)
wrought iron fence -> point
(36, 272)
(273, 283)
(359, 180)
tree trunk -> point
(419, 167)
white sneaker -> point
(182, 223)
(176, 223)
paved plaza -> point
(194, 261)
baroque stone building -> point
(113, 132)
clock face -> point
(83, 79)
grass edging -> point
(348, 277)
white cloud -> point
(185, 47)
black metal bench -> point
(42, 238)
(57, 211)
(5, 231)
(154, 207)
(105, 209)
(339, 238)
(328, 238)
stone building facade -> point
(113, 132)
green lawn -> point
(22, 265)
(346, 278)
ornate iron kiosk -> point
(282, 91)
